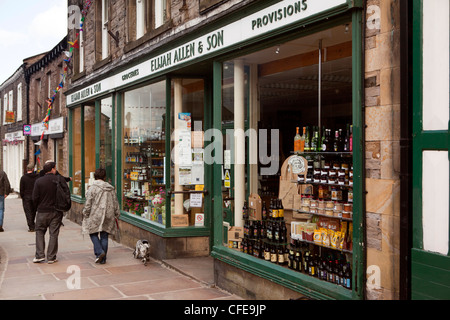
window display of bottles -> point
(320, 245)
(266, 238)
(326, 266)
(143, 173)
(325, 141)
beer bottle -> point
(297, 265)
(266, 253)
(348, 277)
(311, 267)
(291, 259)
(306, 261)
(264, 211)
(283, 232)
(280, 210)
(341, 275)
(269, 230)
(286, 255)
(307, 147)
(275, 210)
(273, 255)
(270, 212)
(280, 255)
(330, 274)
(276, 232)
(336, 272)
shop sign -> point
(54, 126)
(27, 129)
(9, 116)
(227, 182)
(279, 15)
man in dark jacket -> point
(47, 217)
(26, 193)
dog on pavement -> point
(142, 251)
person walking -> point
(100, 212)
(5, 190)
(47, 217)
(26, 193)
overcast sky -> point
(28, 28)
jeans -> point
(2, 209)
(52, 222)
(100, 241)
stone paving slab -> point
(76, 276)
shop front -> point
(51, 146)
(242, 142)
(13, 156)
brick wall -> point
(38, 110)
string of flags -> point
(68, 58)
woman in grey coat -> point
(100, 212)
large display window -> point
(144, 153)
(92, 143)
(289, 185)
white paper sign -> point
(196, 200)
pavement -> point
(76, 276)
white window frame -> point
(19, 102)
(159, 12)
(105, 20)
(141, 26)
(5, 107)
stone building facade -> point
(382, 136)
(13, 116)
(115, 45)
(43, 77)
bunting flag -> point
(72, 45)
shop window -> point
(187, 156)
(106, 134)
(92, 143)
(289, 180)
(76, 152)
(89, 145)
(143, 155)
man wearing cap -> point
(47, 217)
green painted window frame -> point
(156, 228)
(427, 268)
(97, 104)
(296, 281)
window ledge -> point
(102, 63)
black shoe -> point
(1, 229)
(100, 258)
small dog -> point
(142, 251)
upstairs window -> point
(146, 18)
